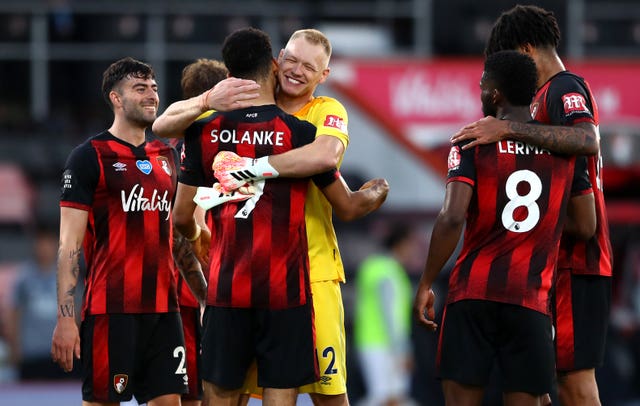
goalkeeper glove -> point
(208, 197)
(233, 171)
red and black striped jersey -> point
(514, 222)
(566, 99)
(258, 256)
(127, 191)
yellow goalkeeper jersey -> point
(330, 118)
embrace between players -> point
(270, 248)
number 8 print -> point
(516, 200)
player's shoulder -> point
(566, 80)
(89, 144)
(295, 122)
(326, 100)
(325, 105)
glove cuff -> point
(264, 169)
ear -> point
(114, 97)
(497, 97)
(325, 75)
(526, 48)
(280, 55)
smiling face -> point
(138, 100)
(302, 67)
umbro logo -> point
(119, 166)
(325, 380)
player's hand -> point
(484, 131)
(203, 247)
(233, 171)
(380, 187)
(423, 307)
(65, 344)
(208, 197)
(200, 245)
(230, 94)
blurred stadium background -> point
(407, 71)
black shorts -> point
(478, 333)
(192, 333)
(132, 354)
(581, 316)
(281, 342)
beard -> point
(138, 115)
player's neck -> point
(514, 113)
(549, 64)
(293, 104)
(127, 132)
(266, 93)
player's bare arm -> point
(323, 154)
(444, 239)
(349, 205)
(581, 217)
(228, 94)
(579, 139)
(189, 267)
(65, 343)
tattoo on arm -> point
(189, 266)
(66, 307)
(67, 310)
(559, 139)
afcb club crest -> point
(120, 382)
(164, 164)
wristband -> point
(204, 106)
(196, 235)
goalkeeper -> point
(303, 65)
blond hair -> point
(315, 37)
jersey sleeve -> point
(191, 157)
(79, 178)
(324, 179)
(330, 118)
(461, 165)
(569, 101)
(581, 184)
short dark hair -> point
(247, 53)
(201, 75)
(514, 74)
(121, 69)
(523, 25)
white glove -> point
(233, 171)
(208, 197)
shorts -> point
(132, 354)
(331, 344)
(280, 341)
(581, 316)
(192, 332)
(478, 333)
(389, 379)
